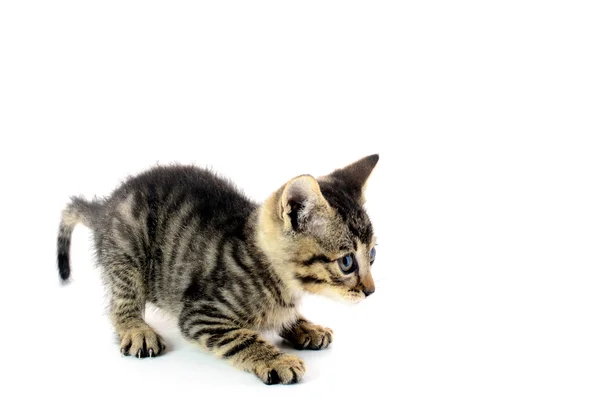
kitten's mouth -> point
(354, 297)
(343, 295)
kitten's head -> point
(318, 228)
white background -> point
(486, 200)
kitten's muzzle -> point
(368, 285)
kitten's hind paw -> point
(286, 369)
(141, 342)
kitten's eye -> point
(347, 263)
(372, 255)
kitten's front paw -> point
(285, 369)
(141, 342)
(306, 335)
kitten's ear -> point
(303, 207)
(355, 175)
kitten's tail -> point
(78, 211)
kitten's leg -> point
(305, 335)
(127, 305)
(244, 348)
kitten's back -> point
(157, 214)
(216, 196)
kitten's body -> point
(228, 268)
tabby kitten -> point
(228, 268)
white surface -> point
(485, 201)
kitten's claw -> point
(295, 377)
(273, 378)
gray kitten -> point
(228, 268)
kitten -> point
(228, 268)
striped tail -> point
(78, 211)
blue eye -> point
(372, 255)
(346, 263)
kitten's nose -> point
(368, 291)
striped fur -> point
(228, 268)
